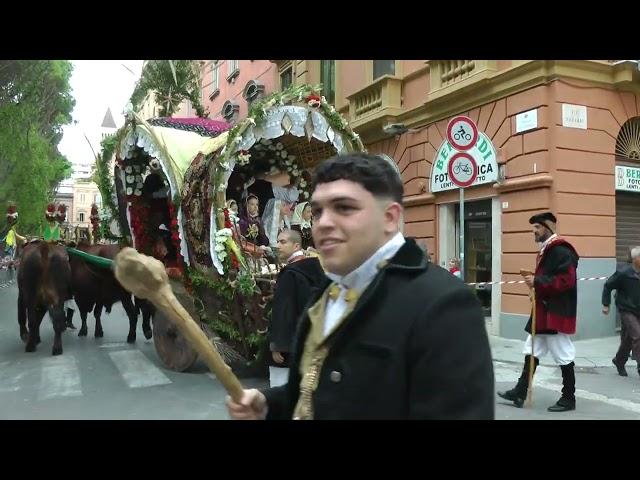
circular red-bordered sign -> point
(462, 133)
(462, 169)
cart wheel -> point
(172, 347)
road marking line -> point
(137, 370)
(616, 402)
(11, 384)
(505, 374)
(59, 377)
(114, 345)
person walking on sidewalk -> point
(626, 281)
(554, 284)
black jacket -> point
(414, 347)
(556, 289)
(627, 284)
(293, 290)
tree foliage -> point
(171, 82)
(35, 102)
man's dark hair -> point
(374, 173)
(293, 235)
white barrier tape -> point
(510, 282)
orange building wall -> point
(581, 164)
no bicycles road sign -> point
(462, 169)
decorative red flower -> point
(313, 101)
(139, 212)
(227, 220)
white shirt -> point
(547, 242)
(358, 280)
(294, 255)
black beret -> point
(541, 218)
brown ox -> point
(95, 287)
(44, 283)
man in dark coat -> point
(293, 290)
(390, 335)
(556, 294)
(626, 281)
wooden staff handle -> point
(532, 359)
(146, 278)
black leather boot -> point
(518, 394)
(568, 399)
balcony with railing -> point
(452, 71)
(381, 98)
(449, 75)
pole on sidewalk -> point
(462, 234)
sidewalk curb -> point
(590, 353)
(547, 362)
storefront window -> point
(477, 240)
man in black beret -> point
(556, 300)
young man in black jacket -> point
(626, 281)
(390, 335)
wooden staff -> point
(532, 295)
(146, 278)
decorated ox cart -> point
(172, 180)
